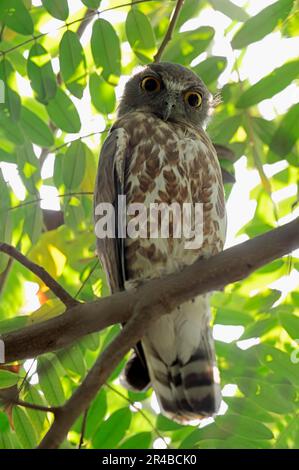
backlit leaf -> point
(261, 24)
(105, 48)
(63, 113)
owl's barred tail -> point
(186, 391)
(178, 358)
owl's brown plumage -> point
(157, 151)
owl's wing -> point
(109, 185)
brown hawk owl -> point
(158, 152)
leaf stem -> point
(169, 31)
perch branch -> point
(148, 303)
(40, 272)
(97, 376)
(170, 30)
(203, 276)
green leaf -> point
(259, 327)
(230, 316)
(6, 223)
(140, 34)
(268, 86)
(112, 430)
(165, 424)
(262, 24)
(24, 428)
(74, 213)
(286, 135)
(72, 63)
(11, 104)
(38, 418)
(263, 301)
(263, 128)
(10, 129)
(15, 15)
(230, 9)
(11, 324)
(93, 4)
(63, 113)
(102, 94)
(265, 395)
(91, 341)
(280, 363)
(291, 27)
(57, 8)
(4, 423)
(189, 9)
(188, 45)
(49, 380)
(287, 437)
(210, 69)
(35, 128)
(224, 130)
(96, 414)
(290, 323)
(12, 101)
(40, 73)
(105, 48)
(141, 440)
(8, 379)
(33, 223)
(243, 426)
(73, 165)
(72, 360)
(246, 407)
(28, 166)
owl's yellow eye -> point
(193, 98)
(150, 84)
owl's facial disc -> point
(170, 91)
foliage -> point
(72, 78)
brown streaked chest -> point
(166, 161)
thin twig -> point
(24, 381)
(141, 412)
(170, 30)
(4, 275)
(32, 406)
(86, 17)
(40, 272)
(83, 427)
(36, 201)
(87, 279)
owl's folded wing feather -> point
(109, 185)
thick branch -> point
(233, 264)
(97, 376)
(170, 30)
(40, 272)
(203, 276)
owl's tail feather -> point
(186, 391)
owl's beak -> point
(168, 107)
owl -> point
(158, 152)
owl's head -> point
(171, 91)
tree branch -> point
(170, 30)
(40, 272)
(203, 276)
(32, 406)
(148, 303)
(97, 376)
